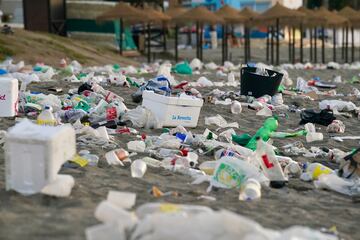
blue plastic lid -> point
(3, 71)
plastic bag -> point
(142, 118)
(183, 68)
(159, 85)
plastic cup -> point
(138, 169)
(103, 133)
(113, 159)
(251, 190)
(124, 200)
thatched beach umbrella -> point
(334, 21)
(230, 16)
(199, 15)
(173, 12)
(310, 21)
(251, 16)
(280, 15)
(354, 20)
(155, 17)
(125, 13)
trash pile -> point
(90, 115)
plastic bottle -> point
(46, 117)
(269, 164)
(315, 170)
(270, 125)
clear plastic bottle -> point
(269, 164)
(46, 117)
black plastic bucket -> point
(256, 85)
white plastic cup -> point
(103, 133)
(251, 190)
(107, 212)
(112, 158)
(314, 136)
(138, 169)
(124, 200)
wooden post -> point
(352, 45)
(311, 44)
(197, 41)
(272, 44)
(223, 44)
(164, 32)
(121, 36)
(290, 48)
(323, 44)
(278, 42)
(267, 44)
(315, 45)
(334, 44)
(301, 43)
(176, 43)
(347, 44)
(149, 43)
(293, 46)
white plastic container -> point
(34, 155)
(173, 111)
(9, 93)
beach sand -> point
(299, 203)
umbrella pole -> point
(201, 42)
(267, 44)
(293, 46)
(272, 45)
(245, 45)
(315, 45)
(164, 32)
(197, 41)
(289, 34)
(278, 41)
(334, 44)
(223, 44)
(249, 43)
(121, 36)
(301, 43)
(352, 45)
(149, 43)
(323, 44)
(346, 44)
(176, 43)
(343, 44)
(311, 44)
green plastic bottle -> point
(270, 125)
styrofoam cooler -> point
(34, 155)
(9, 92)
(173, 111)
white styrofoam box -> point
(9, 92)
(34, 154)
(173, 111)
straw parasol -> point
(332, 20)
(174, 12)
(311, 20)
(279, 14)
(230, 16)
(157, 17)
(125, 13)
(251, 16)
(199, 15)
(353, 17)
